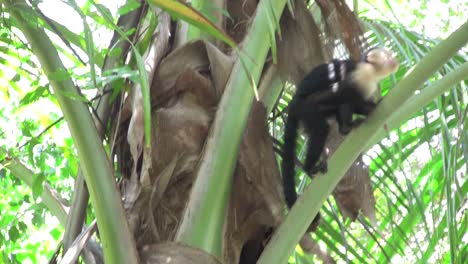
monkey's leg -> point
(344, 117)
(317, 130)
(362, 108)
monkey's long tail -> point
(289, 154)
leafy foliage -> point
(418, 170)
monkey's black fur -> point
(336, 90)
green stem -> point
(203, 223)
(117, 241)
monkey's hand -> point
(321, 167)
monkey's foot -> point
(344, 130)
(321, 167)
(358, 122)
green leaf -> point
(30, 148)
(187, 13)
(34, 96)
(27, 126)
(129, 6)
(16, 78)
(22, 227)
(13, 203)
(38, 186)
(56, 233)
(38, 218)
(13, 234)
(104, 10)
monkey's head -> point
(383, 60)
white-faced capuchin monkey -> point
(338, 90)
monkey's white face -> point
(379, 63)
(383, 60)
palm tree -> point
(187, 115)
